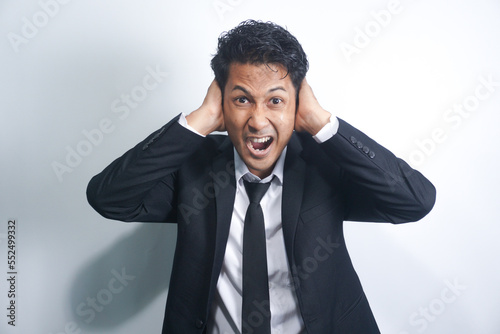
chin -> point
(260, 168)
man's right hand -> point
(209, 117)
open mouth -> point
(259, 145)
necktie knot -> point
(256, 190)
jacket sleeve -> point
(140, 185)
(378, 186)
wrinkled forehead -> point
(258, 78)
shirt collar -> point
(241, 170)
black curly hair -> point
(258, 42)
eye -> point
(276, 100)
(241, 100)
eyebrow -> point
(238, 87)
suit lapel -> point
(293, 191)
(223, 179)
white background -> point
(61, 77)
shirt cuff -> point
(183, 121)
(328, 131)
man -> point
(318, 171)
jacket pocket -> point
(358, 318)
(326, 206)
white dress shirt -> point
(226, 309)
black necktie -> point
(256, 313)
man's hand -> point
(310, 117)
(208, 118)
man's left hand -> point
(310, 116)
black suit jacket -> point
(177, 176)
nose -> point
(258, 119)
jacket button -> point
(366, 149)
(158, 134)
(199, 323)
(353, 140)
(359, 144)
(371, 154)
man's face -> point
(259, 113)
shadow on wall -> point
(125, 278)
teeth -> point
(260, 140)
